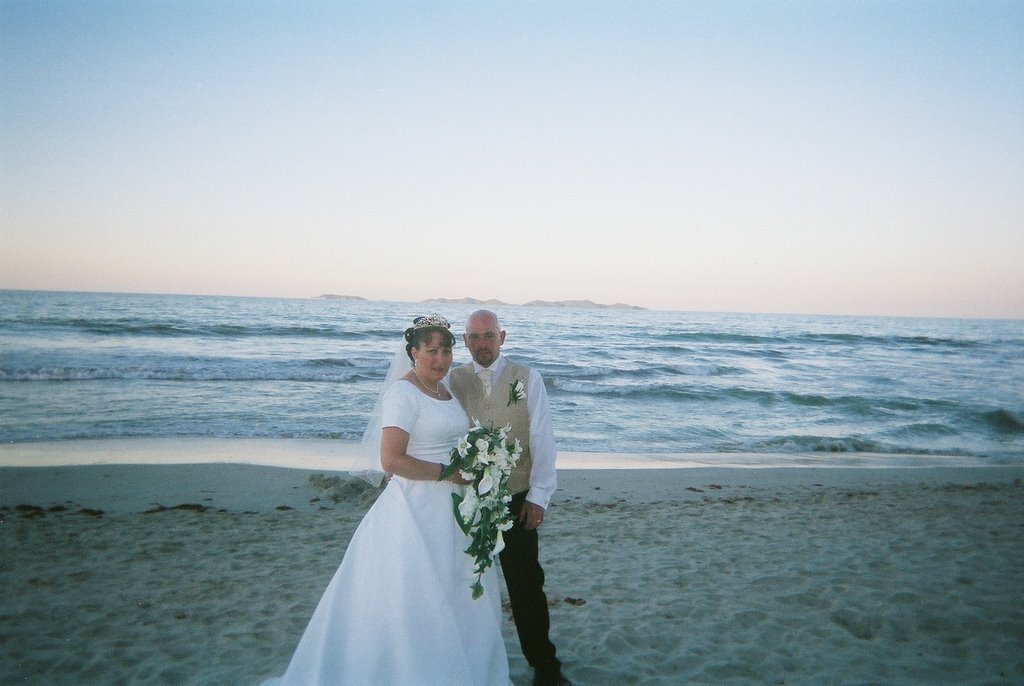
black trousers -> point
(524, 579)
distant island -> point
(333, 296)
(499, 303)
(534, 303)
(463, 301)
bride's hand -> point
(455, 478)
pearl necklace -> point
(437, 386)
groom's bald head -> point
(484, 318)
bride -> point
(399, 609)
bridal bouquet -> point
(483, 457)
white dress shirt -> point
(543, 480)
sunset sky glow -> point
(804, 157)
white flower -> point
(485, 485)
(469, 508)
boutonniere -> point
(516, 392)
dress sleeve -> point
(399, 408)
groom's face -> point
(483, 340)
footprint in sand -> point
(860, 626)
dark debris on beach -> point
(193, 507)
(36, 511)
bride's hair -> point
(423, 328)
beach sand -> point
(654, 576)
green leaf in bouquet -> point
(464, 525)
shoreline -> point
(338, 455)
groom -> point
(497, 391)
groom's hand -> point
(531, 515)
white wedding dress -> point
(399, 610)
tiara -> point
(435, 320)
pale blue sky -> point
(811, 157)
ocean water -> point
(88, 365)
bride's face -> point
(433, 359)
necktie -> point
(485, 378)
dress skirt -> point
(399, 610)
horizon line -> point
(537, 301)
